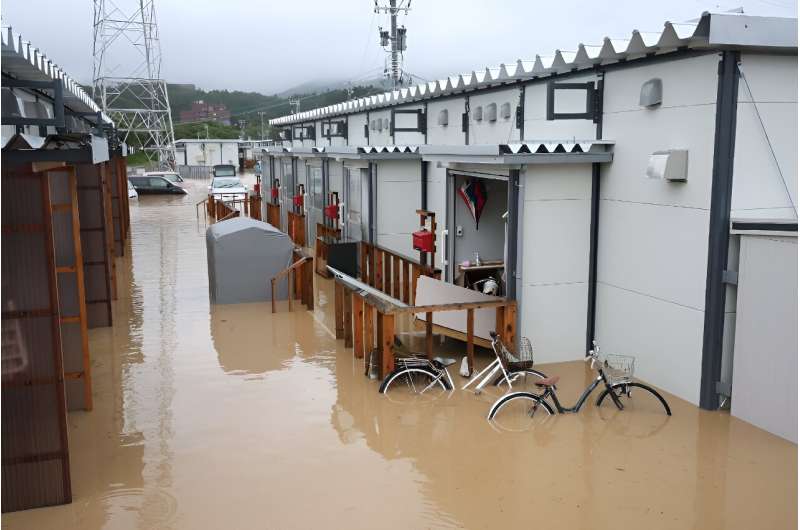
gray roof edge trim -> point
(746, 31)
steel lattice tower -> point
(127, 75)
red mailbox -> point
(257, 188)
(332, 211)
(274, 193)
(422, 240)
(298, 201)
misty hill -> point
(326, 85)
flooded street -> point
(232, 417)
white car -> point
(132, 191)
(227, 188)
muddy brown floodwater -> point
(231, 417)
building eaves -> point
(711, 30)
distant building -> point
(203, 111)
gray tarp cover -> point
(243, 254)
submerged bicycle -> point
(614, 371)
(419, 375)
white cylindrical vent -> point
(477, 113)
(443, 118)
(491, 112)
(505, 111)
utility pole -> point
(395, 38)
(261, 113)
(294, 102)
(242, 125)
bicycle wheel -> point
(523, 380)
(414, 384)
(525, 404)
(624, 394)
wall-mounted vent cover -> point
(651, 93)
(379, 124)
(672, 165)
(386, 123)
(443, 117)
(505, 111)
(477, 113)
(491, 112)
(373, 126)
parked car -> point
(224, 170)
(132, 191)
(155, 184)
(171, 176)
(227, 188)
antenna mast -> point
(395, 38)
(126, 77)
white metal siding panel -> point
(398, 199)
(765, 358)
(758, 190)
(355, 129)
(555, 260)
(653, 235)
(335, 178)
(230, 154)
(437, 203)
(452, 133)
(500, 131)
(381, 137)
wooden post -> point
(429, 335)
(338, 309)
(406, 282)
(414, 278)
(387, 273)
(396, 276)
(290, 287)
(500, 322)
(386, 332)
(378, 270)
(510, 325)
(363, 272)
(470, 339)
(309, 267)
(371, 260)
(358, 326)
(348, 319)
(369, 334)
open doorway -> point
(356, 198)
(478, 205)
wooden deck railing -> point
(297, 228)
(274, 214)
(366, 321)
(392, 273)
(299, 270)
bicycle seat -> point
(548, 381)
(443, 362)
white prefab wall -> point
(355, 129)
(766, 116)
(382, 136)
(653, 234)
(765, 351)
(450, 134)
(437, 203)
(211, 153)
(500, 131)
(406, 121)
(398, 196)
(555, 259)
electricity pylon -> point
(127, 76)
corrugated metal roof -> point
(733, 29)
(22, 60)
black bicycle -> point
(614, 371)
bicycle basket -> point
(521, 360)
(618, 368)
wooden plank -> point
(363, 257)
(23, 228)
(348, 319)
(65, 270)
(510, 321)
(387, 342)
(415, 271)
(369, 334)
(471, 339)
(272, 293)
(429, 335)
(379, 270)
(71, 320)
(396, 266)
(406, 281)
(338, 309)
(358, 326)
(387, 273)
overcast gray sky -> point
(269, 46)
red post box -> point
(298, 201)
(422, 240)
(274, 193)
(332, 211)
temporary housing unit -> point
(206, 152)
(600, 182)
(65, 218)
(243, 255)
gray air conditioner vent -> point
(386, 123)
(477, 113)
(651, 93)
(442, 120)
(491, 112)
(505, 111)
